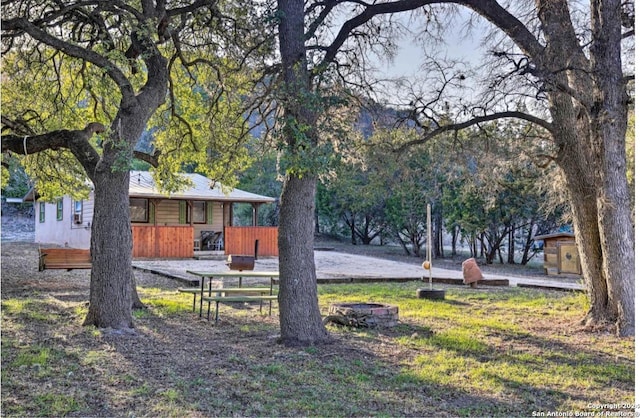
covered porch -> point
(156, 241)
(196, 221)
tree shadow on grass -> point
(237, 368)
(181, 365)
(536, 370)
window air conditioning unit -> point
(77, 218)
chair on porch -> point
(211, 240)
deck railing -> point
(162, 241)
(241, 240)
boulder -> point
(470, 271)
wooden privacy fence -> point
(241, 240)
(162, 241)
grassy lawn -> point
(485, 352)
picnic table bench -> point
(238, 298)
(63, 258)
(223, 291)
(231, 294)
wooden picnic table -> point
(271, 275)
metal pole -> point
(429, 245)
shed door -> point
(568, 260)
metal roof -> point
(141, 184)
(556, 235)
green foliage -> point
(351, 197)
(4, 177)
(30, 95)
(261, 178)
(15, 182)
(312, 138)
(483, 184)
(202, 128)
(493, 187)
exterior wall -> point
(167, 212)
(173, 213)
(64, 232)
(561, 256)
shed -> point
(560, 253)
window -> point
(77, 212)
(59, 210)
(199, 212)
(139, 210)
(41, 207)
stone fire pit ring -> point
(363, 314)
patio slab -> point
(344, 268)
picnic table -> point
(239, 294)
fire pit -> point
(363, 315)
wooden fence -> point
(241, 240)
(162, 241)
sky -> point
(458, 46)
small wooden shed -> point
(560, 253)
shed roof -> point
(141, 184)
(556, 235)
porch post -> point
(255, 207)
(156, 243)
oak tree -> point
(112, 67)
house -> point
(560, 253)
(164, 225)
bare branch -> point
(489, 9)
(474, 121)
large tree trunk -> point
(576, 159)
(585, 225)
(608, 126)
(112, 292)
(300, 320)
(589, 134)
(110, 298)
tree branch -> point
(75, 141)
(509, 24)
(369, 13)
(22, 24)
(313, 26)
(151, 159)
(489, 9)
(477, 120)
